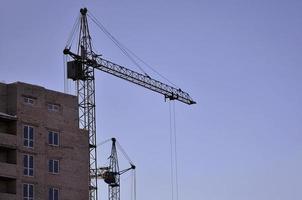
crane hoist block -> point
(75, 70)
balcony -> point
(7, 117)
(8, 140)
(8, 161)
(8, 170)
(7, 188)
(8, 155)
(8, 124)
(8, 196)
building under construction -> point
(43, 153)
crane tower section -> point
(83, 74)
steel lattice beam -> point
(134, 77)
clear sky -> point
(239, 59)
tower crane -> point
(81, 69)
(111, 174)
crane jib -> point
(76, 71)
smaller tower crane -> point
(111, 174)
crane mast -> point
(111, 174)
(85, 84)
(81, 69)
(114, 187)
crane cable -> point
(126, 51)
(175, 149)
(115, 41)
(133, 186)
(72, 34)
(67, 82)
(173, 152)
(103, 142)
(124, 152)
(119, 146)
(68, 45)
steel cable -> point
(115, 41)
(102, 143)
(126, 50)
(124, 152)
(173, 152)
(72, 33)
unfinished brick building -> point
(43, 153)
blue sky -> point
(239, 59)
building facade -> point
(43, 153)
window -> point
(28, 100)
(53, 194)
(28, 164)
(28, 191)
(53, 138)
(53, 107)
(28, 136)
(53, 166)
